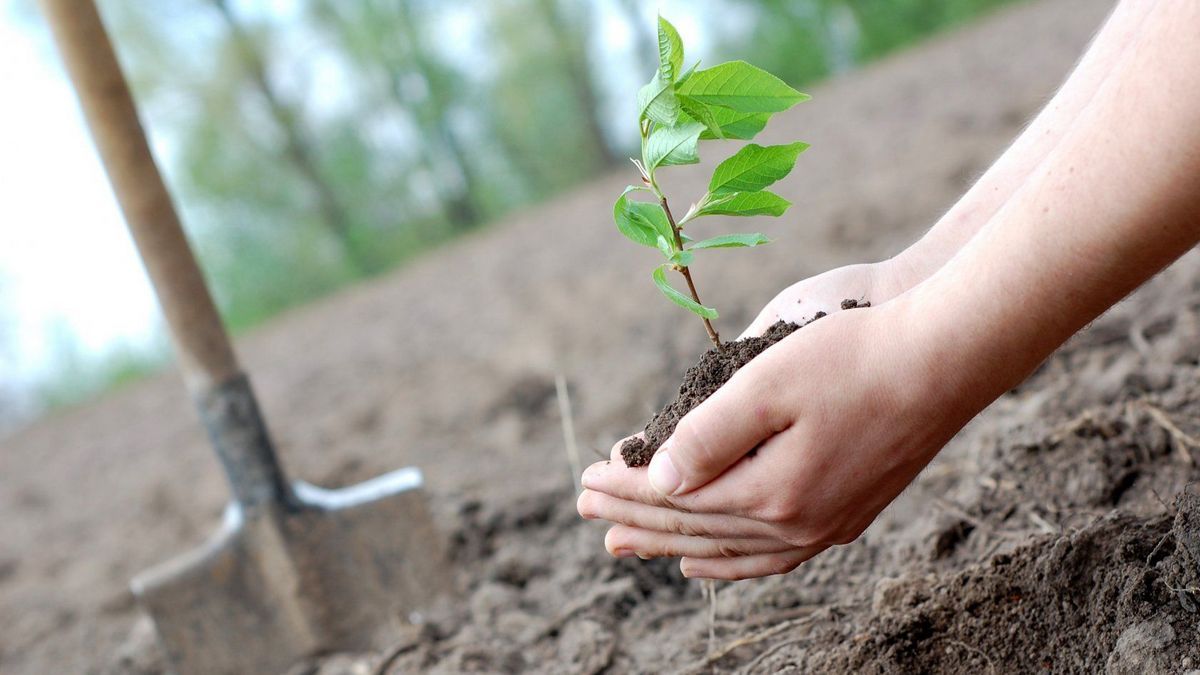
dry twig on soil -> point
(753, 638)
(710, 592)
(1043, 524)
(568, 427)
(1183, 442)
(958, 512)
(976, 650)
(758, 660)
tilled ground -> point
(1056, 532)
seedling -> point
(676, 111)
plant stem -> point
(687, 275)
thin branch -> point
(687, 275)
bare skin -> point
(883, 281)
(1099, 194)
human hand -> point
(802, 301)
(843, 413)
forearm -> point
(1011, 170)
(1116, 201)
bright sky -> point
(66, 262)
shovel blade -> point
(341, 572)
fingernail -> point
(664, 477)
(624, 553)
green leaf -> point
(668, 146)
(678, 298)
(683, 78)
(665, 246)
(658, 103)
(754, 167)
(734, 124)
(761, 203)
(641, 222)
(742, 87)
(732, 241)
(703, 114)
(670, 51)
(682, 258)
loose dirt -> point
(1057, 532)
(709, 374)
(713, 370)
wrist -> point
(985, 322)
(907, 269)
(924, 257)
(895, 276)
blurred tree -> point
(886, 25)
(438, 83)
(645, 37)
(790, 38)
(252, 217)
(572, 42)
(532, 107)
(382, 37)
(297, 147)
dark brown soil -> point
(699, 382)
(713, 369)
(1105, 589)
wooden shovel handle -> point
(204, 350)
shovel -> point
(294, 569)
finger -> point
(744, 412)
(623, 541)
(630, 483)
(747, 567)
(737, 492)
(597, 505)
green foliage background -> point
(323, 142)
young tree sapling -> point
(676, 110)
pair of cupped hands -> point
(843, 413)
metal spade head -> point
(292, 571)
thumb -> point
(720, 431)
